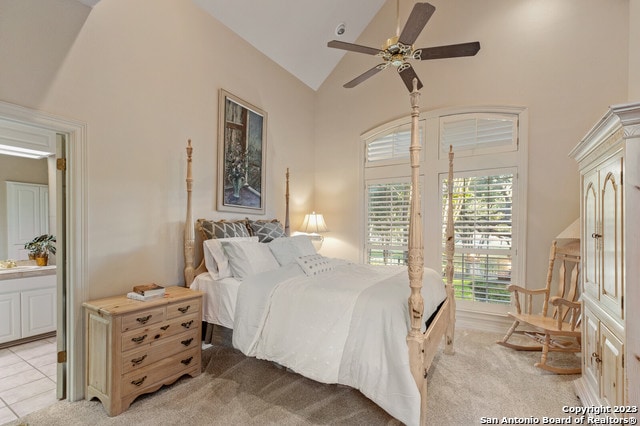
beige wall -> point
(565, 61)
(634, 50)
(144, 76)
(16, 169)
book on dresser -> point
(149, 289)
(137, 296)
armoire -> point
(608, 159)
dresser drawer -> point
(156, 332)
(143, 318)
(180, 309)
(138, 358)
(135, 381)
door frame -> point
(75, 224)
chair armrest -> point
(557, 301)
(519, 289)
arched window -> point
(489, 193)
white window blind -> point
(484, 239)
(390, 145)
(387, 232)
(472, 134)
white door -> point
(27, 216)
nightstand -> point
(135, 347)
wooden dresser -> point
(608, 159)
(135, 347)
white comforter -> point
(346, 326)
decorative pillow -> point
(248, 258)
(215, 258)
(304, 245)
(266, 230)
(314, 264)
(223, 229)
(287, 249)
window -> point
(387, 192)
(484, 249)
(489, 197)
(387, 214)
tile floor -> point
(27, 378)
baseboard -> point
(483, 321)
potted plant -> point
(40, 247)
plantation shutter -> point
(387, 231)
(472, 134)
(484, 238)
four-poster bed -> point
(264, 318)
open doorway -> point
(66, 168)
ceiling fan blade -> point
(353, 47)
(407, 73)
(362, 77)
(418, 18)
(450, 51)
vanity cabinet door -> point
(38, 311)
(9, 317)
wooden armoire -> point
(608, 159)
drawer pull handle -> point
(187, 324)
(139, 381)
(138, 339)
(596, 235)
(184, 309)
(164, 327)
(137, 361)
(187, 342)
(143, 320)
(187, 361)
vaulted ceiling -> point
(294, 33)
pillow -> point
(248, 258)
(215, 258)
(287, 249)
(314, 264)
(304, 245)
(223, 229)
(266, 230)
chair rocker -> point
(556, 329)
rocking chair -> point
(558, 329)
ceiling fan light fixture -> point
(399, 51)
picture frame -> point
(242, 149)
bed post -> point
(189, 234)
(287, 229)
(415, 339)
(450, 247)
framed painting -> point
(242, 148)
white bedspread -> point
(346, 326)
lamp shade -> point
(313, 223)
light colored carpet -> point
(481, 379)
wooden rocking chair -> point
(558, 330)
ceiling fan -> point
(398, 50)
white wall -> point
(145, 76)
(565, 61)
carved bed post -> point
(287, 229)
(416, 256)
(189, 234)
(450, 247)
